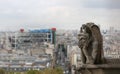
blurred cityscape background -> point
(38, 49)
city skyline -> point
(62, 14)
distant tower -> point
(54, 35)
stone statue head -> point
(85, 29)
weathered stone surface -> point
(99, 69)
(91, 44)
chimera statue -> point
(91, 44)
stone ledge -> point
(100, 66)
(98, 69)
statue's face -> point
(83, 28)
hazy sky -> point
(70, 14)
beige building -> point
(49, 49)
(74, 56)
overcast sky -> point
(69, 14)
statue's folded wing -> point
(96, 34)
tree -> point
(2, 71)
(33, 72)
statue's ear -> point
(81, 29)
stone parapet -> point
(98, 69)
